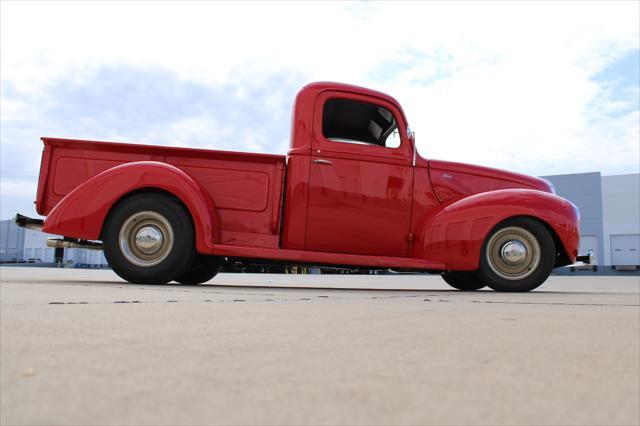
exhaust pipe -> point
(58, 243)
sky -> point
(536, 87)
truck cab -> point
(356, 164)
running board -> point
(325, 258)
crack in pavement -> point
(299, 299)
(162, 301)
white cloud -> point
(505, 84)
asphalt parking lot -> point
(84, 347)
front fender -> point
(81, 213)
(454, 233)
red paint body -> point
(373, 206)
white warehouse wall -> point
(620, 208)
(35, 246)
(85, 256)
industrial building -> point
(609, 226)
(20, 245)
(609, 216)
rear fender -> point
(81, 213)
(454, 233)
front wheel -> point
(148, 239)
(518, 255)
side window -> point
(345, 120)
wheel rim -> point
(146, 238)
(513, 253)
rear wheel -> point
(148, 239)
(462, 280)
(202, 270)
(518, 255)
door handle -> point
(322, 161)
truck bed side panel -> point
(246, 188)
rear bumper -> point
(27, 222)
(36, 224)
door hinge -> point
(410, 237)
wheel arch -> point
(562, 256)
(82, 212)
(454, 233)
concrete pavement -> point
(84, 347)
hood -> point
(456, 180)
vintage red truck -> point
(352, 191)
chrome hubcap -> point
(146, 238)
(149, 239)
(513, 253)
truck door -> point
(361, 177)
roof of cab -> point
(320, 86)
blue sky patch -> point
(620, 81)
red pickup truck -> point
(352, 191)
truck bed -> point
(246, 187)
